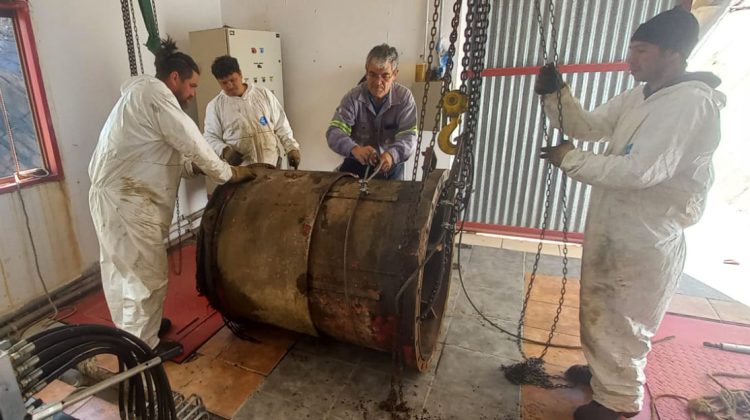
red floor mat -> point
(193, 320)
(680, 366)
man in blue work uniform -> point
(376, 121)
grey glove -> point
(231, 156)
(241, 174)
(294, 158)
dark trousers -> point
(352, 166)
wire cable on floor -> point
(482, 315)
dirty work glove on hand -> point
(549, 80)
(231, 156)
(241, 174)
(294, 158)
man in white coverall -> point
(649, 184)
(245, 123)
(146, 144)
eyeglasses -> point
(385, 76)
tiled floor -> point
(287, 376)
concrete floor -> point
(296, 377)
(322, 379)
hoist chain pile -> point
(531, 371)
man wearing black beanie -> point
(649, 184)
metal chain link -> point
(531, 371)
(430, 59)
(447, 78)
(475, 39)
(135, 31)
(128, 26)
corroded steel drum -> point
(313, 253)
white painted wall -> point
(83, 59)
(324, 45)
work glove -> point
(241, 174)
(549, 80)
(231, 156)
(294, 158)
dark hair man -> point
(245, 123)
(649, 184)
(146, 144)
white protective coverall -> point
(649, 184)
(253, 124)
(135, 172)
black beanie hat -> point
(675, 29)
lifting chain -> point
(462, 172)
(430, 59)
(445, 87)
(531, 370)
(128, 26)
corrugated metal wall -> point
(509, 176)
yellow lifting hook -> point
(455, 103)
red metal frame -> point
(521, 232)
(564, 68)
(532, 233)
(19, 11)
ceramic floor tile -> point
(474, 333)
(553, 265)
(55, 391)
(368, 395)
(541, 315)
(383, 362)
(574, 251)
(313, 380)
(222, 386)
(731, 311)
(531, 246)
(482, 240)
(545, 404)
(328, 347)
(547, 289)
(503, 303)
(97, 409)
(491, 260)
(261, 357)
(108, 362)
(266, 406)
(692, 306)
(472, 373)
(510, 275)
(555, 356)
(449, 405)
(693, 287)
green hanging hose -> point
(148, 11)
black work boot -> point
(168, 349)
(579, 374)
(596, 411)
(164, 327)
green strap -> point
(342, 126)
(149, 19)
(408, 130)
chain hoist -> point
(458, 191)
(531, 370)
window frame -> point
(18, 10)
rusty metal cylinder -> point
(321, 253)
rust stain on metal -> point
(303, 282)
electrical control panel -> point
(258, 52)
